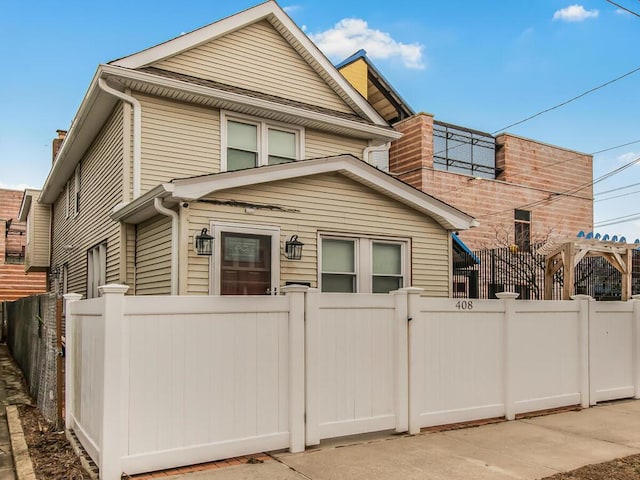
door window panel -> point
(245, 264)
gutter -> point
(175, 219)
(137, 130)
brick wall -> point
(14, 282)
(531, 172)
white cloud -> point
(575, 13)
(620, 11)
(291, 8)
(352, 34)
(628, 157)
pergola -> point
(566, 254)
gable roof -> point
(271, 12)
(192, 188)
(130, 72)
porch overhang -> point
(194, 188)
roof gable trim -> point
(268, 10)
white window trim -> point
(68, 206)
(364, 257)
(76, 180)
(216, 229)
(263, 126)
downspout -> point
(175, 225)
(378, 148)
(137, 131)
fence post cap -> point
(414, 290)
(294, 288)
(507, 295)
(581, 297)
(72, 296)
(113, 288)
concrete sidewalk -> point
(522, 449)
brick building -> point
(14, 282)
(520, 190)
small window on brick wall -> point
(522, 229)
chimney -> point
(57, 143)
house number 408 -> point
(464, 305)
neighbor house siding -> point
(322, 144)
(153, 262)
(257, 58)
(100, 191)
(326, 203)
(178, 140)
(38, 234)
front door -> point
(245, 260)
(245, 267)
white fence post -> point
(296, 294)
(585, 308)
(402, 359)
(113, 440)
(413, 312)
(313, 393)
(509, 301)
(636, 346)
(70, 359)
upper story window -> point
(248, 142)
(522, 229)
(465, 151)
(76, 181)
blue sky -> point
(483, 64)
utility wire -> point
(562, 104)
(623, 8)
(570, 100)
(556, 197)
(527, 170)
(631, 218)
(617, 218)
(617, 189)
(617, 196)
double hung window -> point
(248, 143)
(369, 265)
(522, 228)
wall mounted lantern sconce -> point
(204, 243)
(293, 248)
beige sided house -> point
(245, 129)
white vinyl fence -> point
(158, 382)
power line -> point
(623, 8)
(562, 104)
(617, 218)
(632, 217)
(591, 90)
(617, 196)
(556, 197)
(617, 189)
(527, 170)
